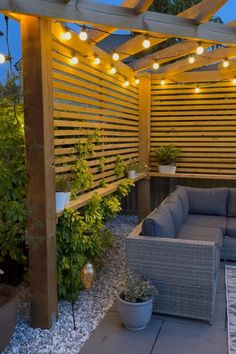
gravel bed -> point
(90, 307)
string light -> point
(197, 89)
(137, 81)
(146, 42)
(2, 58)
(83, 35)
(156, 65)
(66, 35)
(115, 56)
(97, 60)
(191, 59)
(163, 82)
(74, 60)
(225, 63)
(126, 83)
(112, 70)
(234, 81)
(200, 49)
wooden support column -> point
(144, 142)
(38, 100)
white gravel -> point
(90, 307)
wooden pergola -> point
(64, 101)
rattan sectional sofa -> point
(179, 246)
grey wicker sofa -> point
(179, 246)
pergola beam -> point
(115, 16)
(209, 58)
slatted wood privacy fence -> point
(203, 125)
(87, 98)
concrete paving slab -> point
(181, 338)
(112, 338)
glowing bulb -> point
(146, 42)
(115, 56)
(74, 60)
(83, 34)
(126, 83)
(66, 35)
(156, 65)
(225, 63)
(197, 89)
(234, 81)
(97, 60)
(2, 59)
(163, 82)
(137, 81)
(199, 50)
(112, 70)
(191, 60)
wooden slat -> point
(192, 175)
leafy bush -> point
(12, 183)
(137, 290)
(167, 155)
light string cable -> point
(11, 70)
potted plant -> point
(62, 192)
(133, 169)
(135, 302)
(166, 157)
(8, 313)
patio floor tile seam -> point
(156, 339)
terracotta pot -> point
(8, 312)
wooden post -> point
(144, 142)
(38, 101)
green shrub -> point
(167, 155)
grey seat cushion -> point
(182, 195)
(231, 227)
(207, 221)
(159, 223)
(196, 233)
(175, 207)
(208, 201)
(232, 202)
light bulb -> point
(163, 82)
(115, 56)
(112, 70)
(2, 58)
(97, 60)
(156, 65)
(126, 83)
(74, 60)
(137, 81)
(199, 50)
(83, 34)
(146, 42)
(191, 60)
(234, 81)
(197, 89)
(225, 63)
(66, 35)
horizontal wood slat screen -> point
(86, 98)
(202, 124)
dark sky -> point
(227, 13)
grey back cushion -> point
(207, 201)
(175, 207)
(232, 202)
(159, 223)
(183, 197)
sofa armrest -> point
(170, 259)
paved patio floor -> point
(164, 334)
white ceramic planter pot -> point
(135, 316)
(132, 174)
(60, 201)
(67, 198)
(167, 169)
